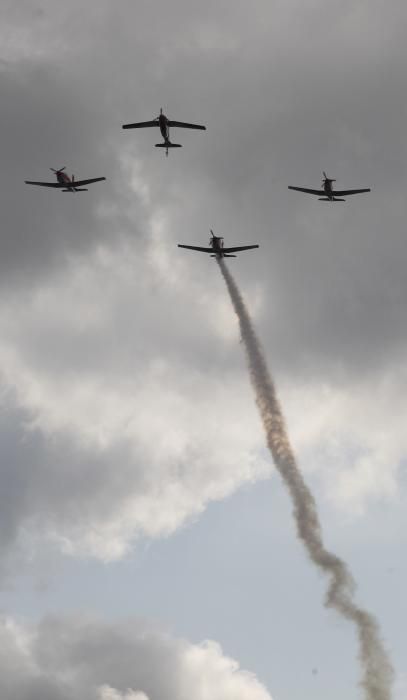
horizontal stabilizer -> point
(334, 199)
(168, 145)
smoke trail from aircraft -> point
(377, 671)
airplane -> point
(328, 194)
(164, 124)
(66, 183)
(217, 249)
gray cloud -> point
(80, 341)
(118, 446)
(125, 407)
(279, 110)
(46, 123)
(87, 659)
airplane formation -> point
(216, 248)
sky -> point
(147, 544)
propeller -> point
(330, 179)
(58, 171)
(213, 237)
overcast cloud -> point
(125, 405)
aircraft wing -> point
(185, 125)
(237, 249)
(44, 184)
(80, 183)
(346, 193)
(65, 185)
(194, 247)
(140, 125)
(319, 193)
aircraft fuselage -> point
(63, 179)
(66, 181)
(217, 244)
(164, 128)
(328, 188)
(329, 192)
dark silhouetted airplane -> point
(164, 124)
(66, 183)
(328, 194)
(217, 249)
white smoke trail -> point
(377, 671)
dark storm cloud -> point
(279, 109)
(48, 120)
(45, 123)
